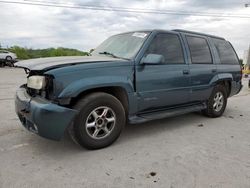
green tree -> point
(20, 52)
(25, 53)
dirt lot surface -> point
(185, 151)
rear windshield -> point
(226, 52)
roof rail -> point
(196, 33)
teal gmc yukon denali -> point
(131, 77)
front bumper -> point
(42, 117)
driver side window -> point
(169, 46)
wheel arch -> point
(117, 91)
(8, 56)
(227, 83)
(224, 79)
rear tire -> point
(8, 59)
(100, 120)
(217, 102)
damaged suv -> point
(131, 77)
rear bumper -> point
(42, 117)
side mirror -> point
(153, 59)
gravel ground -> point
(185, 151)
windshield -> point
(122, 45)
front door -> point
(167, 84)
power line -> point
(130, 10)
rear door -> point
(202, 66)
(165, 84)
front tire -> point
(2, 63)
(217, 102)
(10, 64)
(100, 120)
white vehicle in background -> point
(6, 55)
(7, 58)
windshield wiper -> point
(113, 55)
(108, 53)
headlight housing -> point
(36, 82)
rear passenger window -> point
(226, 52)
(169, 46)
(199, 50)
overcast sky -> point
(43, 27)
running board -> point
(140, 118)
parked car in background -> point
(131, 77)
(7, 58)
(6, 55)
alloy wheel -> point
(218, 101)
(100, 122)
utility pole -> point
(246, 61)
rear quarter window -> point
(225, 51)
(199, 50)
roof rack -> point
(196, 33)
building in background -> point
(246, 61)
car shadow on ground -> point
(155, 127)
(130, 133)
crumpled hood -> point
(55, 62)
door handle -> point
(185, 71)
(214, 70)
